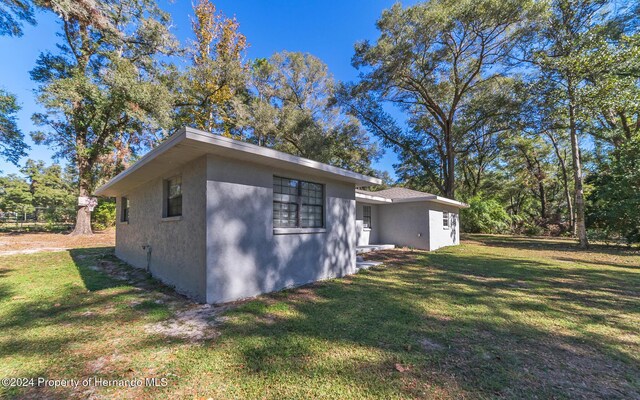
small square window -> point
(124, 207)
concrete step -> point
(374, 247)
(367, 264)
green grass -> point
(495, 317)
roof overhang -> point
(189, 144)
(366, 198)
(434, 199)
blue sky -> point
(328, 29)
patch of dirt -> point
(36, 242)
(549, 364)
(190, 321)
(135, 276)
(105, 364)
(194, 324)
(429, 345)
(395, 256)
(583, 372)
(267, 319)
(305, 294)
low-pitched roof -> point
(396, 193)
(404, 195)
(189, 144)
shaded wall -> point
(440, 237)
(405, 224)
(245, 257)
(177, 246)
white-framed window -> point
(446, 220)
(366, 216)
(297, 204)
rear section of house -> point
(406, 218)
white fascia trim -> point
(232, 144)
(155, 152)
(433, 199)
(455, 203)
(363, 196)
(227, 143)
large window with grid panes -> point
(297, 203)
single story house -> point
(221, 220)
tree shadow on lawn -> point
(5, 289)
(604, 253)
(63, 325)
(427, 324)
(99, 271)
(474, 325)
(601, 263)
(73, 304)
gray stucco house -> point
(221, 220)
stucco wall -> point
(177, 246)
(367, 236)
(404, 224)
(440, 237)
(245, 257)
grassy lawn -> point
(495, 317)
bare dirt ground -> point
(36, 242)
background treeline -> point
(527, 110)
(44, 197)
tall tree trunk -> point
(83, 216)
(543, 194)
(565, 182)
(581, 229)
(543, 202)
(450, 183)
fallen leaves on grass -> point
(401, 368)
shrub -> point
(533, 230)
(615, 199)
(104, 215)
(554, 229)
(484, 216)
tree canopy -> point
(13, 13)
(440, 62)
(12, 145)
(103, 89)
(528, 110)
(291, 108)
